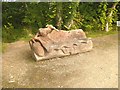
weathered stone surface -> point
(49, 43)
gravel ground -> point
(95, 69)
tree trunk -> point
(70, 21)
(110, 16)
(59, 15)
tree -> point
(69, 12)
(59, 15)
(13, 15)
(102, 10)
(110, 17)
(92, 16)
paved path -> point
(97, 68)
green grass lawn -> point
(100, 33)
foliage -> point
(102, 14)
(36, 14)
(90, 17)
(24, 18)
(69, 13)
(13, 14)
(112, 15)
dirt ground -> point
(95, 69)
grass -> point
(12, 35)
(0, 47)
(3, 47)
(99, 33)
